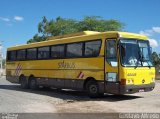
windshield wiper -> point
(147, 63)
(141, 60)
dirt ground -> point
(13, 99)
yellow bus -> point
(97, 62)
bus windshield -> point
(135, 53)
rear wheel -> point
(23, 82)
(92, 89)
(33, 83)
(59, 89)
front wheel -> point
(33, 83)
(92, 89)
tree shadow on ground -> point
(69, 95)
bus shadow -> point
(70, 95)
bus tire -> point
(23, 82)
(33, 83)
(59, 89)
(92, 89)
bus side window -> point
(11, 55)
(92, 48)
(8, 55)
(43, 52)
(32, 54)
(74, 50)
(111, 55)
(21, 54)
(57, 51)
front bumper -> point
(117, 88)
(129, 89)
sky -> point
(19, 18)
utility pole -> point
(1, 59)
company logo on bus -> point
(131, 74)
(66, 65)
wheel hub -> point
(93, 89)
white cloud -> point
(4, 19)
(18, 18)
(156, 29)
(9, 21)
(146, 32)
(153, 43)
(150, 32)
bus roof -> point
(63, 38)
(121, 34)
(74, 34)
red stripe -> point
(16, 71)
(19, 70)
(81, 75)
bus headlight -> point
(111, 77)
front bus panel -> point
(137, 80)
(128, 66)
(136, 68)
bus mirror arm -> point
(123, 51)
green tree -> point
(61, 26)
(36, 38)
(56, 27)
(155, 59)
(43, 27)
(96, 23)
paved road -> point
(13, 99)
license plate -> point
(141, 90)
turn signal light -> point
(153, 80)
(123, 81)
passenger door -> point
(111, 66)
